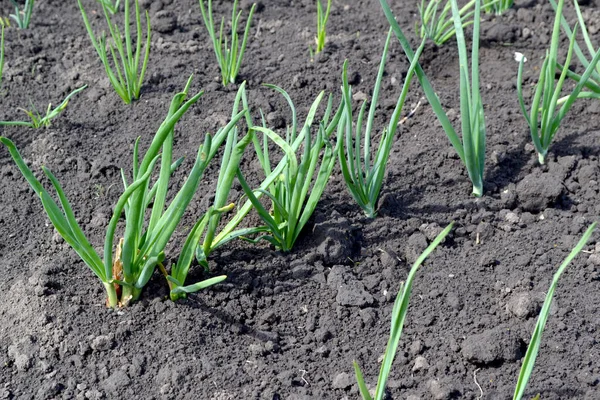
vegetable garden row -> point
(296, 165)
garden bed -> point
(288, 326)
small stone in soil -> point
(416, 347)
(116, 381)
(594, 259)
(420, 364)
(343, 381)
(336, 277)
(368, 316)
(164, 22)
(431, 230)
(493, 345)
(359, 96)
(537, 192)
(354, 294)
(102, 343)
(439, 391)
(523, 305)
(512, 217)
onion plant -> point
(229, 53)
(22, 16)
(295, 189)
(398, 316)
(36, 119)
(538, 330)
(322, 18)
(272, 174)
(140, 246)
(438, 25)
(363, 177)
(180, 269)
(111, 6)
(593, 83)
(472, 148)
(141, 249)
(229, 165)
(208, 224)
(471, 106)
(128, 66)
(547, 109)
(496, 6)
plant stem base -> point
(112, 300)
(542, 158)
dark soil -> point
(288, 326)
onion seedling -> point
(496, 6)
(37, 120)
(22, 17)
(471, 106)
(322, 18)
(111, 271)
(111, 6)
(438, 26)
(363, 179)
(398, 316)
(229, 53)
(293, 189)
(472, 148)
(272, 175)
(126, 74)
(141, 249)
(230, 162)
(547, 109)
(208, 224)
(593, 82)
(536, 338)
(180, 269)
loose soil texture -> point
(288, 326)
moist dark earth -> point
(288, 326)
